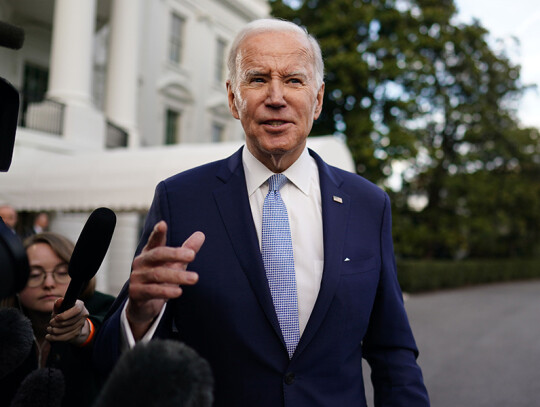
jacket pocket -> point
(361, 265)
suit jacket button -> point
(289, 378)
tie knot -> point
(276, 181)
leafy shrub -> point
(429, 275)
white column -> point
(69, 224)
(70, 77)
(121, 251)
(122, 70)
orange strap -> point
(91, 335)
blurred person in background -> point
(40, 224)
(9, 216)
(49, 255)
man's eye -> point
(257, 80)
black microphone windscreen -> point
(89, 252)
(11, 36)
(163, 373)
(16, 337)
(92, 245)
(9, 113)
(41, 388)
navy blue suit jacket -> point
(229, 318)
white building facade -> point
(115, 96)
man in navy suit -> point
(349, 303)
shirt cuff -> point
(127, 339)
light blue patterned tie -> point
(277, 254)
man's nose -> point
(276, 94)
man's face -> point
(276, 96)
(42, 220)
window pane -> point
(217, 132)
(220, 59)
(34, 87)
(176, 38)
(172, 127)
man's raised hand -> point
(158, 273)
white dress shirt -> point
(302, 197)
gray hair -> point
(273, 25)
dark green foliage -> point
(430, 275)
(405, 83)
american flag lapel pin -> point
(338, 199)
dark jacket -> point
(228, 317)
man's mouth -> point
(275, 123)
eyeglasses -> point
(38, 274)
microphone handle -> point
(59, 349)
(73, 292)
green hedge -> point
(428, 275)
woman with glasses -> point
(48, 256)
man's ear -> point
(232, 100)
(318, 102)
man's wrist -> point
(138, 326)
(139, 329)
(136, 329)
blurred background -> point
(435, 101)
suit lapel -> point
(335, 212)
(235, 211)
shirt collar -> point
(299, 173)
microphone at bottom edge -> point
(41, 388)
(163, 373)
